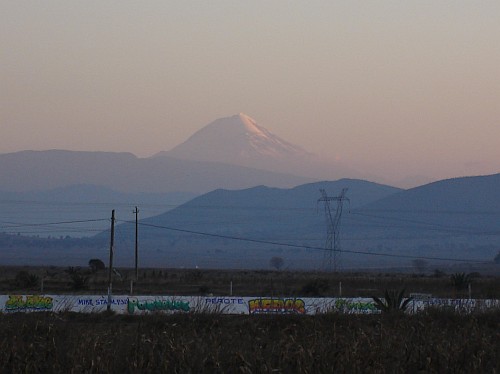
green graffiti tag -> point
(17, 303)
(157, 305)
(347, 306)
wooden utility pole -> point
(110, 270)
(136, 245)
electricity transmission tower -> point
(332, 245)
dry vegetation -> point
(434, 341)
(244, 283)
(194, 343)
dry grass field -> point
(431, 342)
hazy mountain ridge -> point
(271, 214)
(458, 218)
(459, 205)
(379, 219)
(266, 202)
(249, 212)
(124, 172)
(472, 193)
(87, 193)
(296, 217)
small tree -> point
(497, 258)
(420, 265)
(276, 262)
(95, 265)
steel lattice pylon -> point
(332, 244)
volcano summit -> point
(240, 140)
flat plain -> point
(433, 341)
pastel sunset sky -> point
(395, 88)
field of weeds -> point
(188, 282)
(434, 342)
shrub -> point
(315, 287)
(27, 280)
(204, 290)
(79, 281)
(460, 281)
(394, 301)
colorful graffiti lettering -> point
(157, 305)
(16, 303)
(278, 306)
(349, 306)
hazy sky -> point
(395, 87)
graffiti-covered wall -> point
(228, 305)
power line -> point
(437, 227)
(15, 224)
(432, 226)
(305, 246)
(434, 211)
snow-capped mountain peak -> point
(251, 126)
(240, 140)
(237, 140)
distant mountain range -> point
(256, 190)
(457, 208)
(431, 221)
(124, 172)
(230, 153)
(259, 213)
(381, 227)
(233, 153)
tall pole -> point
(136, 245)
(110, 270)
(329, 258)
(333, 224)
